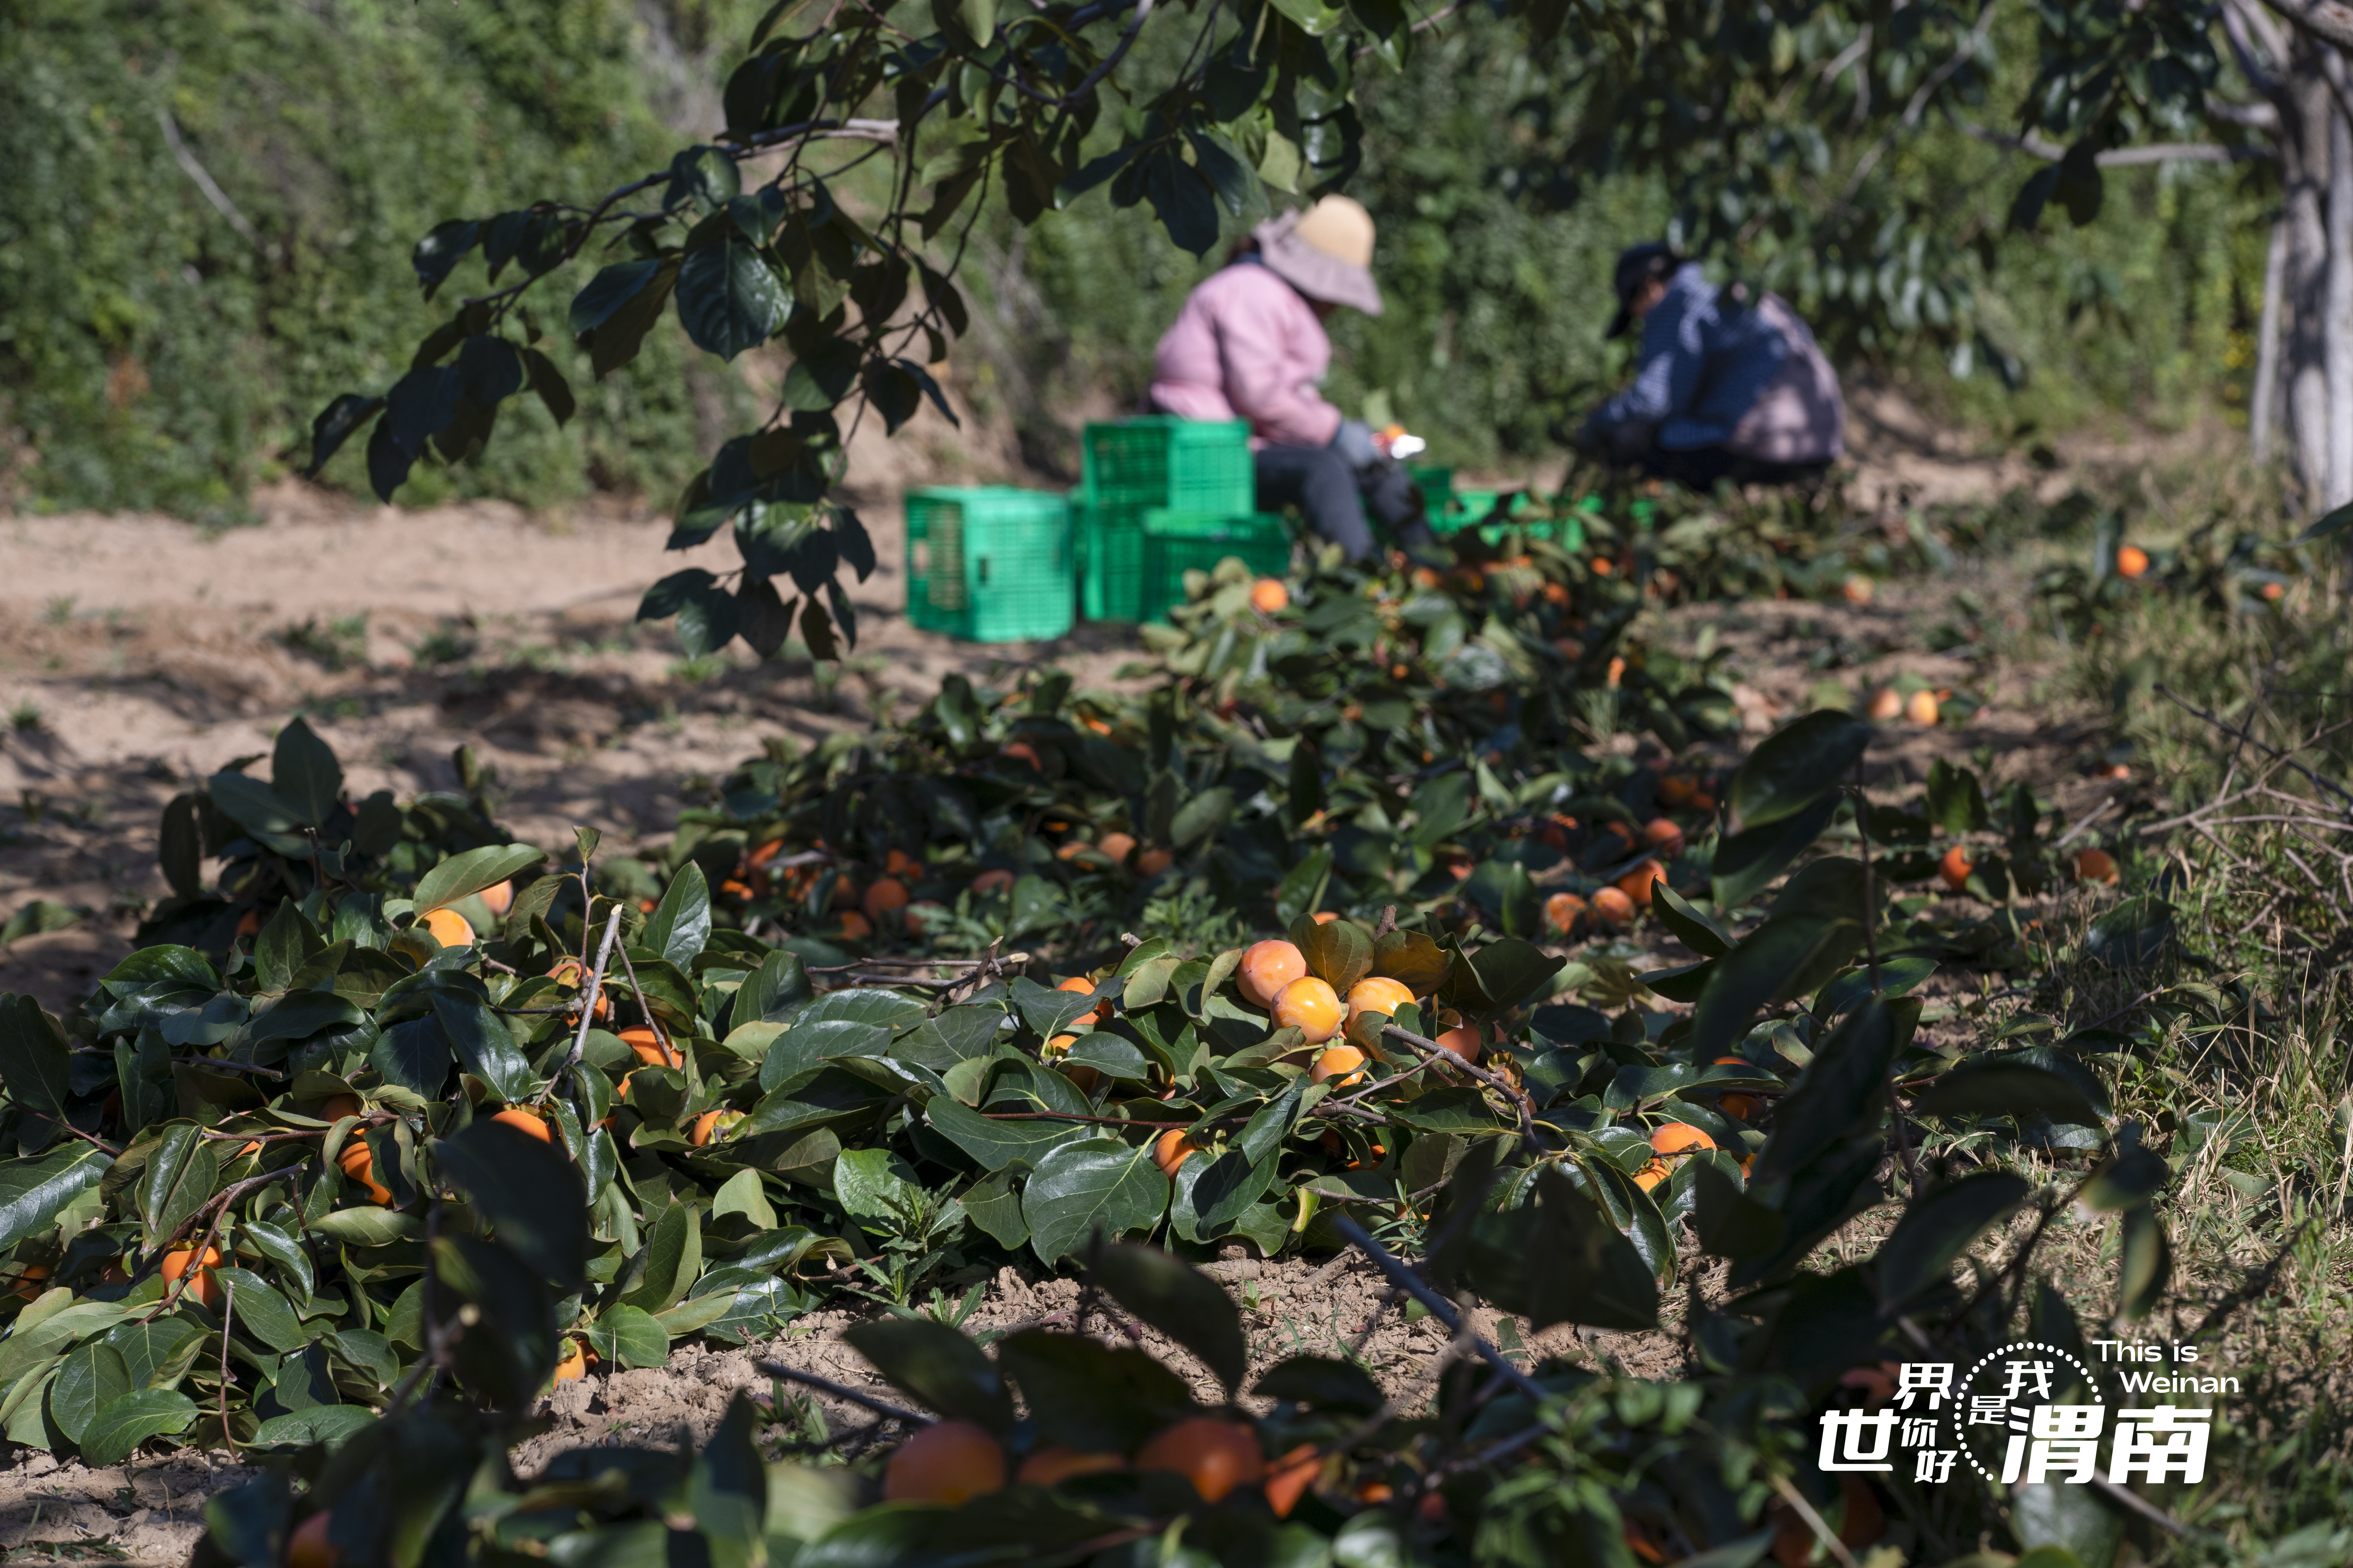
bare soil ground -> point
(137, 654)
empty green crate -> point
(1186, 464)
(1176, 541)
(990, 564)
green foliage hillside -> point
(154, 355)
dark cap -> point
(1638, 265)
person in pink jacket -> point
(1250, 345)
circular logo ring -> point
(1960, 1425)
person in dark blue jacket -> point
(1729, 383)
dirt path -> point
(137, 654)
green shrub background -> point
(152, 357)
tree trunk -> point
(2263, 410)
(2337, 327)
(2303, 178)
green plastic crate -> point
(1493, 514)
(1178, 541)
(991, 563)
(1468, 508)
(1111, 552)
(1134, 466)
(1436, 488)
(1159, 460)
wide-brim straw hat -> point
(1326, 253)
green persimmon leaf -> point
(34, 1064)
(1096, 1183)
(993, 1144)
(470, 871)
(680, 926)
(730, 299)
(1798, 764)
(131, 1420)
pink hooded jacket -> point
(1247, 345)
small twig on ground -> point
(2090, 817)
(841, 1391)
(1314, 1281)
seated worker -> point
(1729, 385)
(1250, 345)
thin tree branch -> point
(841, 1391)
(2125, 157)
(2329, 21)
(228, 1317)
(1805, 1510)
(1439, 1307)
(2338, 790)
(1495, 1081)
(1968, 50)
(204, 182)
(588, 1003)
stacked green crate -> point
(1137, 465)
(1176, 541)
(1436, 488)
(990, 564)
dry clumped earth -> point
(137, 654)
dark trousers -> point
(1334, 497)
(1699, 468)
